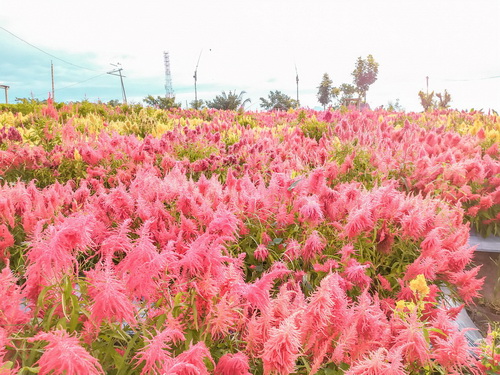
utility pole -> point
(52, 75)
(119, 71)
(6, 88)
(427, 79)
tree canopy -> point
(278, 101)
(364, 74)
(231, 101)
(428, 101)
(325, 92)
(161, 102)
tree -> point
(278, 101)
(325, 91)
(444, 99)
(395, 106)
(346, 91)
(114, 103)
(161, 102)
(428, 102)
(231, 101)
(197, 104)
(365, 74)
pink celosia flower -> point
(468, 285)
(6, 240)
(190, 362)
(65, 356)
(4, 365)
(233, 364)
(293, 249)
(261, 252)
(310, 209)
(325, 314)
(12, 315)
(281, 350)
(380, 362)
(313, 246)
(410, 338)
(355, 273)
(223, 317)
(109, 301)
(454, 353)
(156, 353)
(359, 220)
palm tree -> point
(231, 101)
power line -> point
(471, 79)
(47, 53)
(77, 83)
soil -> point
(483, 315)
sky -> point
(254, 46)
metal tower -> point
(168, 76)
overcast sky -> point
(252, 46)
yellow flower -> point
(400, 305)
(76, 155)
(420, 285)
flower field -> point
(139, 241)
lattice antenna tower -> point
(168, 76)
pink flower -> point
(109, 301)
(453, 353)
(6, 240)
(410, 338)
(64, 356)
(233, 364)
(12, 316)
(313, 246)
(190, 362)
(261, 253)
(281, 350)
(310, 209)
(468, 285)
(380, 362)
(293, 250)
(156, 351)
(355, 273)
(359, 220)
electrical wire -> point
(472, 79)
(47, 53)
(77, 83)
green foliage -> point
(365, 74)
(231, 101)
(343, 93)
(428, 101)
(313, 128)
(197, 104)
(195, 151)
(444, 100)
(325, 91)
(161, 102)
(394, 106)
(278, 101)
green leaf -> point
(277, 241)
(33, 370)
(292, 186)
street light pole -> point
(195, 76)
